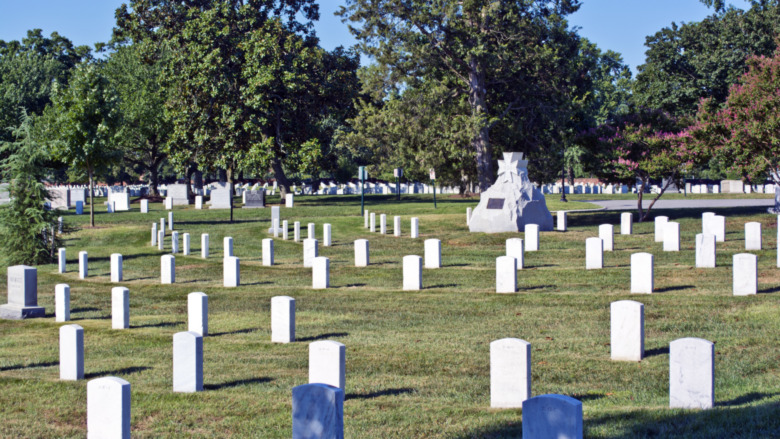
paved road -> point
(683, 204)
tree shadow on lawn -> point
(663, 350)
(378, 393)
(323, 336)
(123, 371)
(236, 383)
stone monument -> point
(22, 294)
(512, 201)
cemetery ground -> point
(417, 362)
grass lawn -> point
(417, 362)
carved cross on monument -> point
(513, 163)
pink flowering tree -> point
(635, 149)
(744, 133)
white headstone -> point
(626, 223)
(607, 235)
(627, 330)
(510, 373)
(154, 233)
(562, 222)
(327, 360)
(317, 412)
(83, 265)
(71, 352)
(62, 302)
(116, 267)
(594, 254)
(282, 319)
(326, 235)
(660, 223)
(198, 313)
(432, 253)
(412, 266)
(311, 231)
(186, 245)
(275, 226)
(320, 273)
(745, 274)
(383, 224)
(642, 273)
(706, 217)
(268, 252)
(120, 308)
(297, 231)
(227, 247)
(705, 251)
(672, 236)
(506, 274)
(162, 225)
(170, 221)
(361, 253)
(285, 230)
(160, 240)
(199, 202)
(175, 242)
(204, 245)
(753, 236)
(552, 416)
(366, 216)
(310, 251)
(468, 215)
(396, 226)
(514, 248)
(531, 234)
(168, 269)
(372, 222)
(187, 362)
(691, 373)
(415, 227)
(61, 261)
(289, 200)
(231, 272)
(108, 408)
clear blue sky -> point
(619, 25)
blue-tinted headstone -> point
(553, 417)
(79, 207)
(317, 412)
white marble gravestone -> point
(512, 201)
(506, 274)
(514, 248)
(282, 319)
(705, 250)
(297, 231)
(289, 200)
(187, 362)
(116, 267)
(594, 254)
(366, 216)
(415, 229)
(162, 225)
(168, 269)
(531, 234)
(510, 373)
(412, 267)
(198, 202)
(311, 231)
(320, 273)
(227, 247)
(108, 408)
(562, 222)
(170, 221)
(310, 251)
(275, 215)
(285, 230)
(691, 373)
(22, 294)
(268, 252)
(552, 416)
(327, 363)
(61, 261)
(397, 226)
(204, 245)
(361, 253)
(83, 264)
(432, 253)
(317, 412)
(154, 233)
(660, 223)
(231, 274)
(753, 236)
(745, 274)
(198, 313)
(186, 244)
(120, 308)
(144, 206)
(175, 242)
(221, 196)
(61, 303)
(160, 240)
(383, 224)
(71, 353)
(706, 226)
(627, 330)
(626, 223)
(607, 235)
(326, 235)
(642, 273)
(672, 236)
(372, 222)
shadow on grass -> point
(236, 383)
(157, 325)
(353, 285)
(674, 288)
(657, 351)
(239, 331)
(29, 366)
(582, 397)
(769, 290)
(123, 371)
(324, 336)
(378, 393)
(440, 286)
(255, 283)
(748, 398)
(85, 309)
(538, 287)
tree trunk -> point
(154, 180)
(639, 194)
(481, 142)
(188, 182)
(229, 178)
(91, 197)
(281, 178)
(663, 189)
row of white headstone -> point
(369, 222)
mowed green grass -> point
(417, 362)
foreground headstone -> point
(204, 245)
(268, 252)
(187, 362)
(531, 234)
(412, 266)
(108, 408)
(510, 373)
(61, 303)
(372, 222)
(745, 274)
(552, 416)
(717, 226)
(71, 353)
(175, 242)
(22, 294)
(642, 273)
(83, 264)
(168, 269)
(317, 412)
(310, 251)
(227, 247)
(562, 221)
(231, 272)
(660, 223)
(691, 373)
(626, 223)
(361, 253)
(397, 226)
(327, 363)
(506, 274)
(144, 206)
(705, 251)
(607, 235)
(383, 224)
(297, 231)
(186, 244)
(116, 267)
(594, 254)
(120, 308)
(61, 261)
(198, 313)
(326, 235)
(432, 253)
(753, 236)
(627, 330)
(672, 236)
(514, 248)
(282, 319)
(320, 275)
(415, 228)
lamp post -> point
(362, 177)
